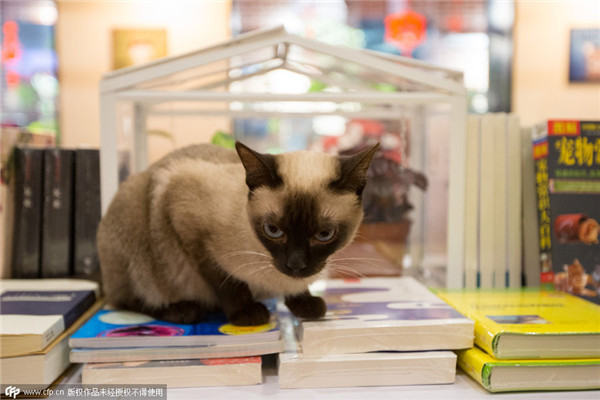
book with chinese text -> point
(567, 161)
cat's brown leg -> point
(305, 305)
(235, 298)
(183, 312)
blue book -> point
(111, 328)
(33, 313)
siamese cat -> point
(209, 228)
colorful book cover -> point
(519, 375)
(530, 323)
(111, 328)
(383, 314)
(567, 160)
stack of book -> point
(52, 213)
(530, 339)
(377, 332)
(124, 347)
(36, 319)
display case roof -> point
(213, 72)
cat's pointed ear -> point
(261, 169)
(353, 177)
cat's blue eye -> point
(325, 235)
(272, 231)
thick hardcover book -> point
(34, 312)
(87, 212)
(57, 214)
(111, 329)
(519, 375)
(27, 222)
(300, 370)
(383, 314)
(530, 323)
(176, 373)
(567, 159)
(43, 367)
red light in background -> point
(405, 30)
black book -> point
(87, 211)
(27, 218)
(57, 214)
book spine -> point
(87, 211)
(472, 365)
(500, 205)
(57, 216)
(529, 222)
(486, 203)
(514, 203)
(25, 259)
(472, 202)
(540, 158)
(79, 309)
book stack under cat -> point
(530, 339)
(37, 316)
(377, 332)
(124, 347)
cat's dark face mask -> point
(298, 235)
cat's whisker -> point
(231, 274)
(340, 268)
(363, 261)
(244, 253)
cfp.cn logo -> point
(12, 391)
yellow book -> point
(515, 324)
(517, 375)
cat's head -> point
(304, 205)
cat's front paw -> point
(250, 315)
(308, 307)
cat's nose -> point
(295, 262)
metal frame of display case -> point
(352, 71)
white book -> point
(383, 314)
(176, 373)
(529, 222)
(486, 203)
(299, 370)
(500, 204)
(472, 202)
(514, 234)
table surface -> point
(464, 388)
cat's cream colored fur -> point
(192, 208)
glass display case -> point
(335, 99)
